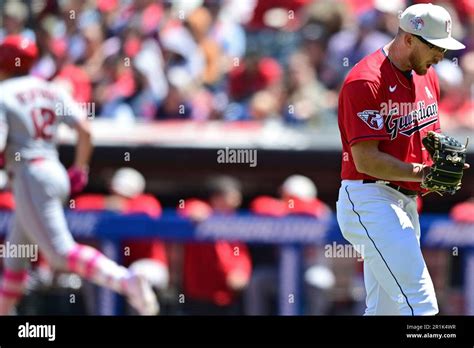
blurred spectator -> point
(387, 15)
(286, 14)
(463, 212)
(456, 103)
(298, 196)
(184, 59)
(350, 45)
(124, 92)
(199, 23)
(150, 62)
(308, 100)
(253, 74)
(93, 54)
(70, 76)
(263, 105)
(325, 18)
(225, 30)
(255, 88)
(127, 197)
(330, 15)
(14, 16)
(174, 106)
(215, 273)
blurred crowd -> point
(283, 60)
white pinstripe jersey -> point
(30, 112)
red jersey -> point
(208, 265)
(269, 206)
(379, 102)
(463, 212)
(144, 203)
(7, 200)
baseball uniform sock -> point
(12, 289)
(96, 267)
(91, 264)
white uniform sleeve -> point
(3, 128)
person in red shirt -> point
(463, 212)
(298, 196)
(71, 76)
(145, 257)
(387, 104)
(253, 74)
(215, 274)
(127, 197)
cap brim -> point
(448, 43)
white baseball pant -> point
(383, 225)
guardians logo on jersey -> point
(413, 119)
(372, 118)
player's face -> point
(423, 56)
(226, 202)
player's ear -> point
(408, 39)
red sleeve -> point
(266, 205)
(463, 212)
(141, 249)
(194, 206)
(234, 256)
(362, 117)
(270, 70)
(147, 204)
(145, 249)
(235, 85)
(314, 207)
(90, 202)
(7, 201)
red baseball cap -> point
(17, 54)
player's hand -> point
(78, 178)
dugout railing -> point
(291, 234)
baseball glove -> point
(449, 156)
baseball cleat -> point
(141, 296)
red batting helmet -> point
(17, 54)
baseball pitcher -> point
(393, 151)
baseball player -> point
(387, 104)
(30, 112)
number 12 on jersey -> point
(43, 120)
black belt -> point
(395, 187)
